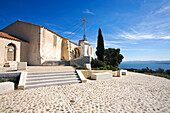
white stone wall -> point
(72, 47)
(91, 51)
(30, 33)
(50, 45)
(3, 50)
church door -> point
(11, 51)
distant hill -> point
(147, 62)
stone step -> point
(51, 77)
(54, 72)
(51, 84)
(53, 80)
(40, 79)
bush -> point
(2, 80)
(110, 67)
(14, 80)
(113, 57)
(97, 64)
(77, 66)
(160, 70)
(168, 72)
(103, 68)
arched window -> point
(77, 52)
(11, 52)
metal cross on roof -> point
(84, 36)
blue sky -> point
(140, 28)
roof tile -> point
(7, 36)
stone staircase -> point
(41, 79)
(56, 63)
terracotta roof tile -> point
(7, 36)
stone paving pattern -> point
(127, 94)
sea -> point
(154, 65)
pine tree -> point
(100, 46)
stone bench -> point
(101, 76)
(121, 72)
(6, 87)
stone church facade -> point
(26, 42)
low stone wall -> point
(10, 75)
(115, 74)
(6, 87)
(88, 73)
(101, 76)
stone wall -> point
(87, 73)
(3, 50)
(91, 51)
(81, 60)
(72, 51)
(64, 50)
(28, 32)
(24, 48)
(50, 45)
(54, 47)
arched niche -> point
(11, 52)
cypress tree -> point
(100, 46)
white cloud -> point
(154, 25)
(139, 49)
(163, 9)
(88, 12)
(116, 42)
(136, 36)
(53, 25)
(141, 36)
(165, 37)
(68, 32)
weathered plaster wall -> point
(91, 51)
(50, 45)
(72, 48)
(3, 50)
(30, 33)
(65, 50)
(24, 48)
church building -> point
(26, 42)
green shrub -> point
(77, 66)
(2, 80)
(103, 68)
(14, 80)
(110, 67)
(97, 63)
(168, 72)
(160, 70)
(118, 68)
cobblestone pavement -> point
(132, 93)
